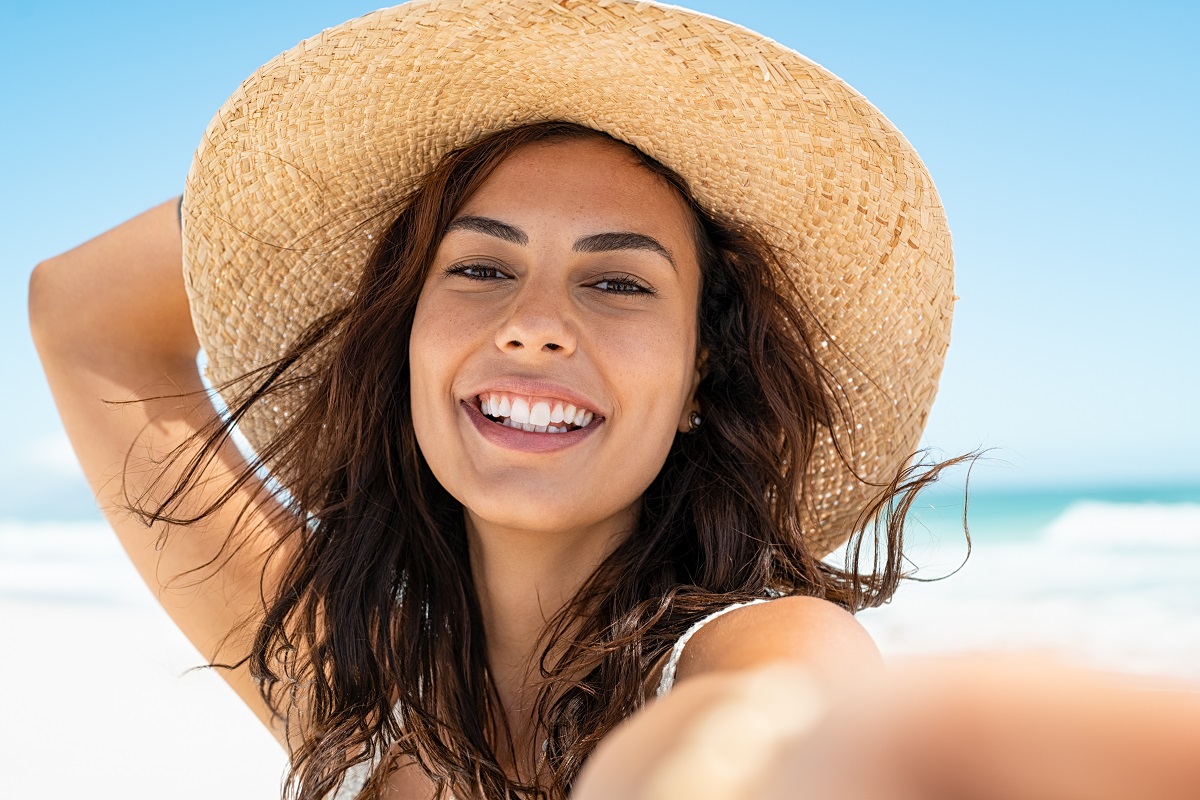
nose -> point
(539, 322)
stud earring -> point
(695, 421)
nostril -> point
(553, 346)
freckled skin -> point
(544, 313)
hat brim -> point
(285, 191)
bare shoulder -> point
(807, 630)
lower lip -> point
(526, 441)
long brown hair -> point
(374, 632)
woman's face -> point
(567, 284)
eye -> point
(476, 272)
(622, 284)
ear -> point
(693, 405)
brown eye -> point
(624, 284)
(476, 272)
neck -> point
(523, 578)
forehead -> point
(580, 180)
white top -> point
(668, 673)
(356, 777)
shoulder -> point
(809, 631)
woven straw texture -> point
(284, 193)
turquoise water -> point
(1023, 514)
(1106, 576)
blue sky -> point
(1061, 138)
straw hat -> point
(284, 194)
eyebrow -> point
(595, 243)
(623, 240)
(492, 227)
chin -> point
(537, 515)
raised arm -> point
(111, 323)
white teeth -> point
(519, 411)
(533, 428)
(539, 415)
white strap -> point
(668, 673)
(356, 777)
(353, 781)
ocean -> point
(1106, 577)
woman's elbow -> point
(44, 302)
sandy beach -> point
(96, 704)
(95, 694)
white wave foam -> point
(1094, 523)
(1122, 607)
(66, 562)
(1109, 584)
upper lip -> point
(537, 388)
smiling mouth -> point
(535, 415)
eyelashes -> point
(622, 284)
(616, 284)
(475, 271)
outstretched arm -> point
(966, 729)
(749, 685)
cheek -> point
(658, 363)
(431, 360)
(654, 369)
(657, 381)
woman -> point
(568, 339)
